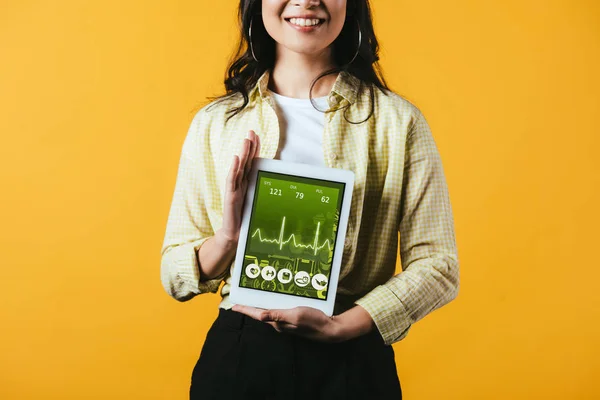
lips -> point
(305, 29)
(289, 20)
(306, 16)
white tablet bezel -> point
(267, 299)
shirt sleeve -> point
(430, 271)
(188, 225)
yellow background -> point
(96, 98)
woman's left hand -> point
(305, 321)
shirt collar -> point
(345, 85)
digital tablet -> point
(292, 236)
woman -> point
(305, 87)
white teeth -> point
(304, 21)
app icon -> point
(319, 281)
(268, 273)
(284, 275)
(252, 270)
(302, 278)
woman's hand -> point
(235, 188)
(312, 323)
(305, 321)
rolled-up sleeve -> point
(188, 225)
(430, 268)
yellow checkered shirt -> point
(400, 189)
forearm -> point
(424, 286)
(430, 268)
(215, 255)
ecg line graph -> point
(292, 237)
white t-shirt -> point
(301, 129)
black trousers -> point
(246, 359)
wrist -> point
(353, 323)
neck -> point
(294, 72)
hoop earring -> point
(359, 42)
(250, 36)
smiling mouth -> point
(305, 23)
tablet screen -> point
(292, 235)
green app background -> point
(318, 207)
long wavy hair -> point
(244, 71)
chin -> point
(306, 50)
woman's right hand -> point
(235, 190)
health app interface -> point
(292, 235)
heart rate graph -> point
(315, 246)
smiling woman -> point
(275, 37)
(325, 22)
(288, 51)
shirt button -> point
(333, 156)
(332, 99)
